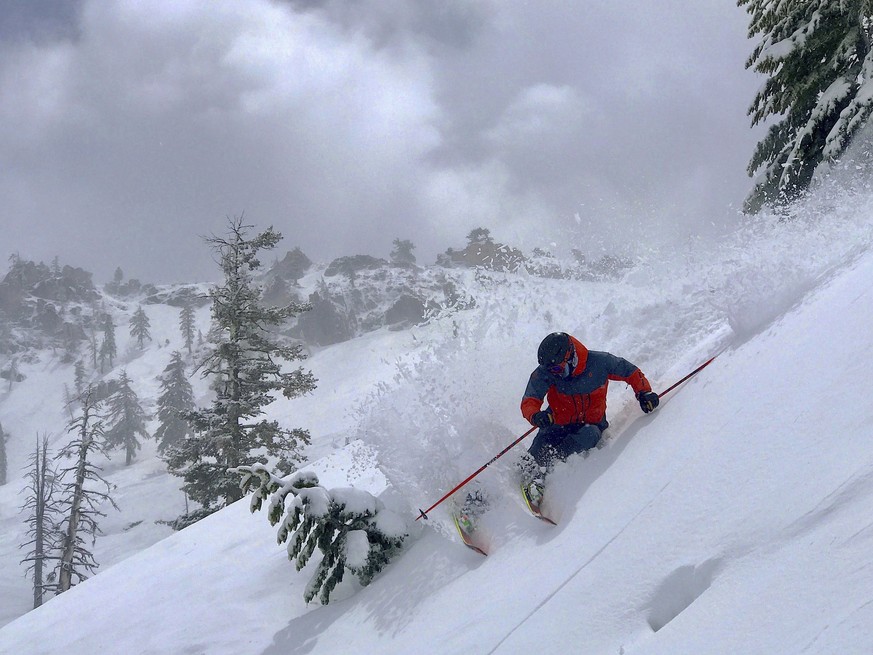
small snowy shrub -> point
(352, 528)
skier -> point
(574, 380)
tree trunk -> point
(39, 526)
(65, 579)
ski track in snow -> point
(558, 589)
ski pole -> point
(690, 375)
(423, 512)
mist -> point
(130, 131)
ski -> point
(467, 536)
(534, 507)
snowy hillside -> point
(734, 519)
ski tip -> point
(476, 549)
(467, 539)
(534, 508)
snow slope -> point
(734, 520)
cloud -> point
(134, 128)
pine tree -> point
(126, 419)
(80, 498)
(92, 347)
(139, 327)
(175, 402)
(818, 59)
(402, 253)
(108, 349)
(245, 370)
(4, 464)
(79, 377)
(12, 372)
(42, 510)
(480, 235)
(186, 325)
(351, 527)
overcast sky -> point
(129, 129)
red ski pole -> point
(423, 512)
(690, 375)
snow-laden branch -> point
(351, 527)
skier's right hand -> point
(542, 419)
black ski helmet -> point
(554, 349)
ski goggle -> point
(562, 368)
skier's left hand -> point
(648, 400)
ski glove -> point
(648, 400)
(542, 419)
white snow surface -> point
(735, 519)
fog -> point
(130, 130)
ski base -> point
(467, 537)
(534, 507)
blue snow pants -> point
(561, 441)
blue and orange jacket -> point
(580, 397)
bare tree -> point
(42, 514)
(4, 437)
(81, 501)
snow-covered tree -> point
(4, 463)
(139, 327)
(81, 498)
(108, 349)
(819, 63)
(402, 253)
(351, 527)
(125, 419)
(245, 368)
(186, 325)
(42, 510)
(174, 403)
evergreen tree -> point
(12, 373)
(186, 325)
(79, 379)
(92, 347)
(175, 402)
(139, 327)
(4, 464)
(245, 370)
(81, 499)
(108, 349)
(42, 510)
(480, 235)
(351, 527)
(818, 59)
(402, 253)
(126, 419)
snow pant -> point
(561, 441)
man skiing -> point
(574, 380)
